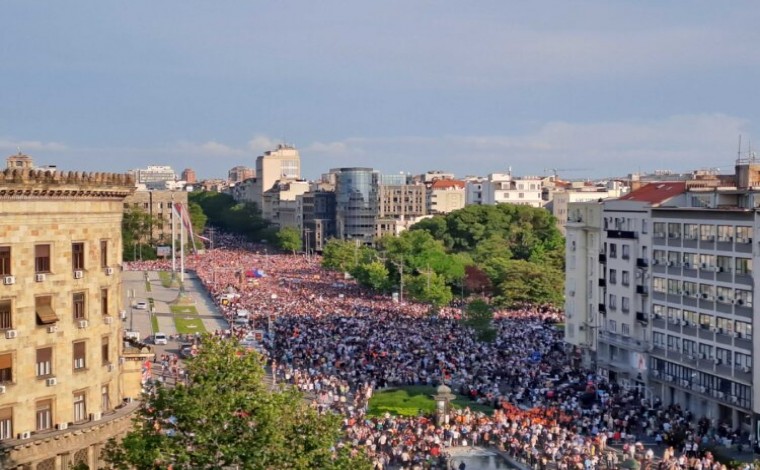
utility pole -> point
(174, 239)
(427, 272)
(306, 233)
(211, 231)
(400, 267)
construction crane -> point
(557, 170)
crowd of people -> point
(340, 343)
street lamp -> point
(443, 398)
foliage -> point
(476, 280)
(222, 211)
(373, 274)
(479, 316)
(227, 416)
(136, 233)
(289, 239)
(429, 287)
(524, 281)
(340, 255)
(198, 218)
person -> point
(462, 466)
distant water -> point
(478, 459)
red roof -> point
(655, 193)
(447, 184)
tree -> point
(523, 281)
(228, 417)
(289, 239)
(136, 232)
(222, 211)
(429, 288)
(373, 274)
(197, 217)
(340, 255)
(479, 316)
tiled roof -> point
(655, 193)
(447, 184)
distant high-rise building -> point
(356, 198)
(239, 174)
(188, 175)
(281, 164)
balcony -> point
(602, 282)
(643, 290)
(621, 234)
(642, 318)
(642, 263)
(603, 258)
(603, 309)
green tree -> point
(523, 281)
(198, 218)
(373, 274)
(289, 239)
(228, 417)
(340, 255)
(479, 316)
(136, 232)
(428, 288)
(222, 211)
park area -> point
(186, 319)
(415, 400)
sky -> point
(587, 88)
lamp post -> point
(443, 398)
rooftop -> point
(656, 193)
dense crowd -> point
(340, 343)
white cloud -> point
(27, 146)
(261, 143)
(210, 148)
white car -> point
(160, 338)
(141, 305)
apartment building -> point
(445, 195)
(674, 288)
(157, 204)
(62, 386)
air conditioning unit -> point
(39, 277)
(24, 435)
(51, 382)
(674, 321)
(108, 320)
(717, 361)
(52, 328)
(685, 383)
(8, 280)
(656, 373)
(740, 302)
(687, 265)
(734, 399)
(736, 334)
(702, 356)
(62, 426)
(654, 262)
(83, 324)
(703, 389)
(721, 298)
(691, 358)
(670, 263)
(714, 329)
(109, 271)
(78, 274)
(684, 323)
(10, 334)
(95, 416)
(721, 395)
(669, 378)
(2, 389)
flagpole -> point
(174, 238)
(182, 253)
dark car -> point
(186, 351)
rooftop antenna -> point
(739, 152)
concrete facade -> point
(61, 384)
(158, 205)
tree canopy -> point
(228, 416)
(289, 239)
(222, 211)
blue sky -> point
(594, 87)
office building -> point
(154, 175)
(356, 203)
(239, 174)
(189, 176)
(445, 195)
(281, 164)
(62, 387)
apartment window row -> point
(694, 349)
(623, 223)
(44, 412)
(43, 256)
(711, 292)
(45, 360)
(46, 313)
(703, 232)
(717, 324)
(709, 381)
(689, 260)
(625, 303)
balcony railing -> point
(643, 290)
(642, 317)
(621, 234)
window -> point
(690, 288)
(658, 284)
(690, 231)
(613, 250)
(674, 315)
(103, 253)
(707, 233)
(706, 321)
(44, 362)
(725, 233)
(723, 355)
(724, 325)
(674, 230)
(743, 298)
(80, 407)
(658, 229)
(104, 301)
(6, 315)
(626, 278)
(104, 351)
(674, 258)
(744, 329)
(744, 266)
(659, 256)
(674, 286)
(724, 264)
(658, 339)
(743, 234)
(689, 347)
(612, 326)
(42, 259)
(674, 343)
(725, 294)
(79, 306)
(707, 291)
(690, 317)
(658, 310)
(77, 256)
(5, 261)
(743, 360)
(79, 355)
(612, 304)
(625, 329)
(705, 351)
(613, 276)
(626, 251)
(6, 423)
(625, 304)
(44, 309)
(707, 262)
(44, 413)
(105, 400)
(690, 260)
(6, 368)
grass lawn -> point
(184, 321)
(166, 278)
(409, 401)
(154, 322)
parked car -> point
(141, 305)
(160, 338)
(186, 351)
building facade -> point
(283, 163)
(239, 174)
(157, 204)
(189, 176)
(445, 195)
(61, 385)
(154, 174)
(356, 203)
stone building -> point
(61, 384)
(159, 205)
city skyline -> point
(604, 88)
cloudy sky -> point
(590, 88)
